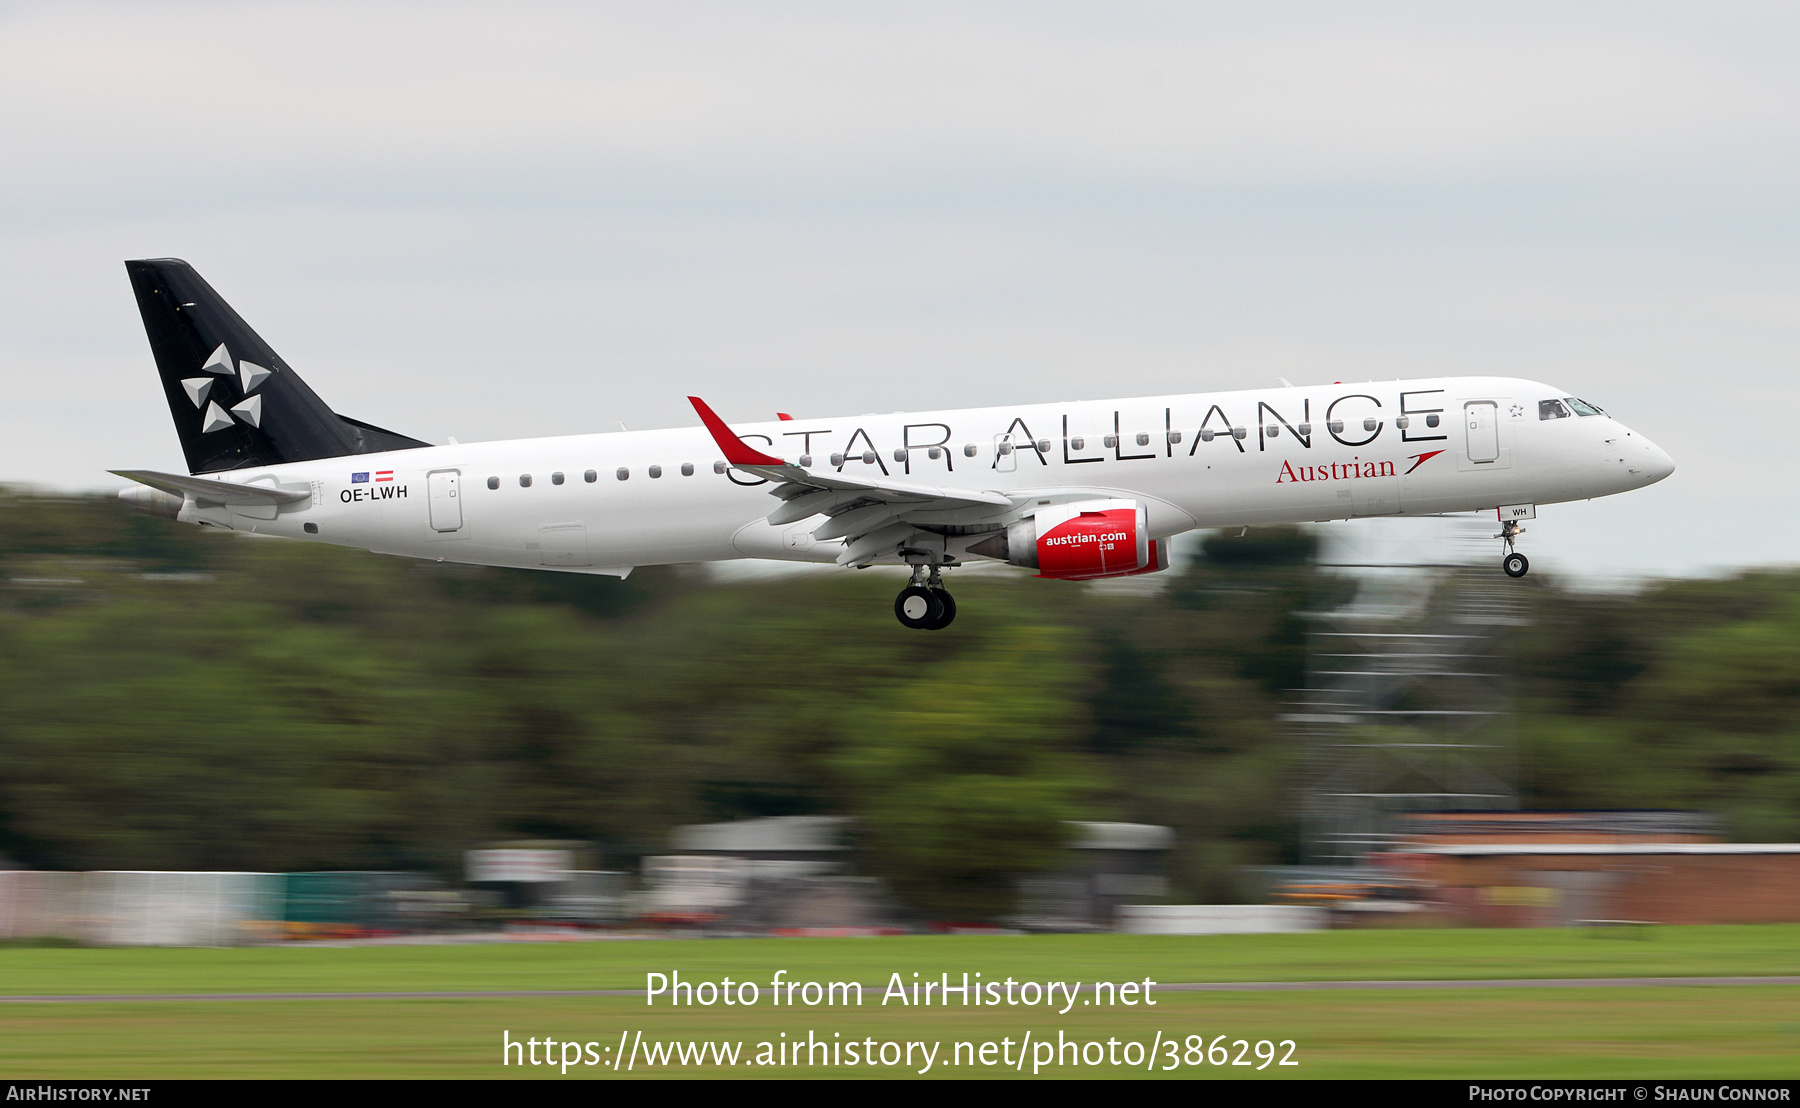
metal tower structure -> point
(1409, 697)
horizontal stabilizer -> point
(219, 492)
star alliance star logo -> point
(246, 375)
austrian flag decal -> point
(383, 487)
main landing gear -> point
(925, 605)
(1514, 563)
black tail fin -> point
(235, 402)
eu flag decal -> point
(359, 478)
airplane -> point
(1074, 491)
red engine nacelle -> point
(1079, 541)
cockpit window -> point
(1582, 407)
(1552, 409)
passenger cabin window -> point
(1582, 407)
(1079, 443)
(623, 474)
(687, 468)
(1431, 421)
(524, 480)
(655, 471)
(1552, 409)
(493, 482)
(556, 478)
(718, 467)
(590, 477)
(970, 450)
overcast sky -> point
(492, 221)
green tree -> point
(963, 774)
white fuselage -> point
(608, 502)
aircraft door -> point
(1481, 420)
(445, 498)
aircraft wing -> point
(221, 492)
(872, 514)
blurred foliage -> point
(173, 698)
(1682, 696)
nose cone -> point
(1654, 464)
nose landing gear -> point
(1514, 563)
(925, 605)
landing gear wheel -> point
(1512, 561)
(919, 608)
(947, 615)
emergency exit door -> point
(445, 488)
(1482, 421)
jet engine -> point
(1080, 541)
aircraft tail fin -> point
(235, 402)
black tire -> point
(918, 608)
(1515, 565)
(947, 614)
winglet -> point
(737, 451)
